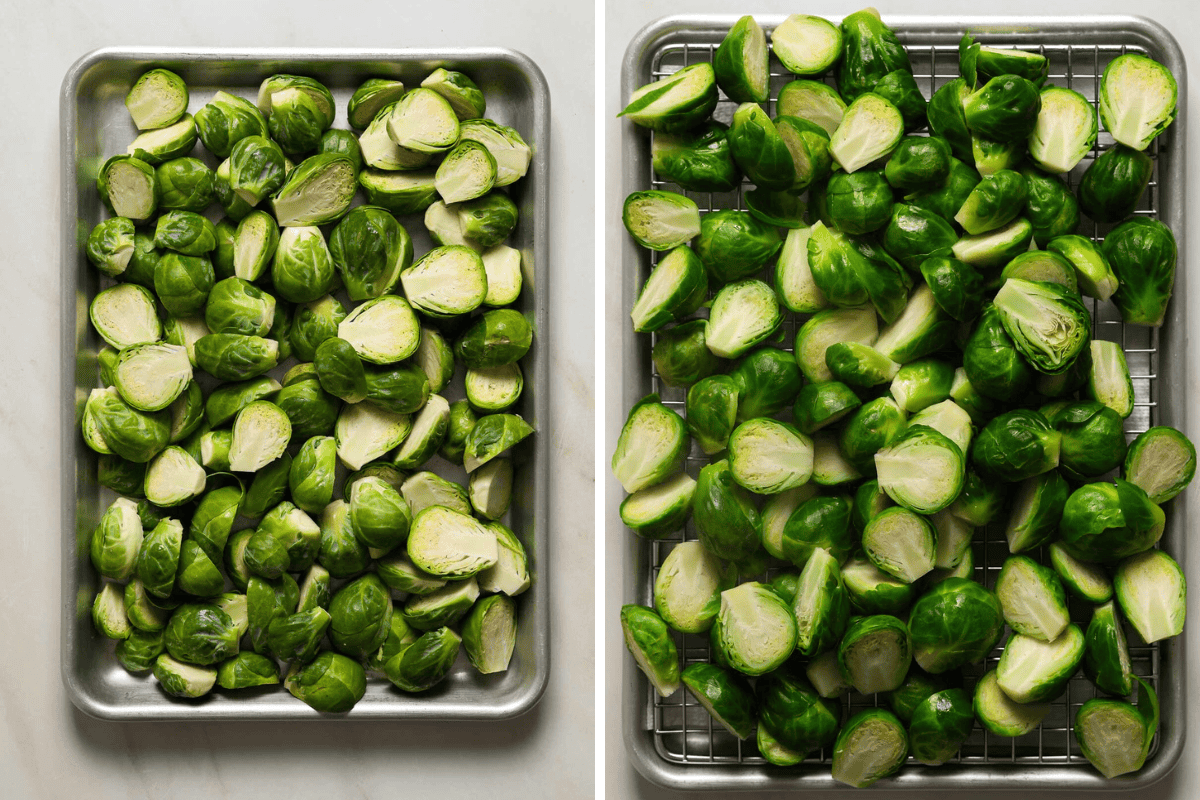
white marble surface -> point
(47, 749)
(623, 18)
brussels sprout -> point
(858, 203)
(157, 99)
(228, 399)
(117, 539)
(821, 605)
(314, 90)
(1142, 254)
(314, 323)
(1081, 578)
(996, 247)
(991, 362)
(726, 520)
(652, 445)
(311, 410)
(1093, 439)
(1113, 184)
(109, 612)
(150, 376)
(123, 477)
(111, 246)
(119, 428)
(342, 143)
(319, 190)
(448, 544)
(371, 250)
(183, 283)
(138, 652)
(428, 433)
(754, 631)
(266, 555)
(340, 371)
(873, 591)
(1092, 271)
(875, 653)
(226, 120)
(181, 679)
(712, 405)
(996, 201)
(794, 283)
(1152, 593)
(813, 102)
(740, 63)
(423, 120)
(725, 694)
(1113, 735)
(173, 477)
(681, 355)
(806, 45)
(490, 634)
(870, 129)
(365, 432)
(839, 271)
(1001, 715)
(830, 466)
(956, 622)
(380, 152)
(358, 616)
(237, 306)
(817, 523)
(768, 457)
(1032, 599)
(297, 537)
(760, 150)
(462, 422)
(369, 98)
(426, 662)
(330, 683)
(947, 198)
(734, 245)
(650, 642)
(900, 88)
(234, 357)
(1108, 380)
(268, 487)
(828, 327)
(1161, 461)
(808, 144)
(921, 384)
(446, 281)
(688, 587)
(1017, 445)
(1005, 109)
(871, 428)
(765, 381)
(510, 573)
(256, 169)
(822, 404)
(922, 469)
(400, 574)
(382, 331)
(1065, 131)
(674, 290)
(1106, 655)
(698, 161)
(497, 338)
(743, 314)
(900, 543)
(261, 432)
(677, 102)
(201, 634)
(918, 163)
(268, 601)
(210, 527)
(398, 192)
(914, 234)
(1049, 325)
(399, 637)
(164, 144)
(129, 187)
(380, 515)
(1036, 510)
(1137, 99)
(940, 725)
(918, 687)
(869, 501)
(510, 151)
(246, 670)
(870, 50)
(1033, 671)
(794, 714)
(459, 90)
(1107, 521)
(859, 365)
(947, 118)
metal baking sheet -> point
(673, 741)
(95, 125)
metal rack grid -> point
(684, 732)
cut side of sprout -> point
(870, 129)
(793, 275)
(900, 543)
(769, 457)
(364, 432)
(1152, 592)
(1032, 599)
(1033, 671)
(825, 676)
(494, 388)
(490, 642)
(650, 447)
(898, 340)
(756, 629)
(1065, 131)
(317, 197)
(1082, 578)
(806, 45)
(511, 152)
(261, 433)
(254, 245)
(151, 376)
(1112, 735)
(131, 191)
(1000, 714)
(669, 285)
(425, 489)
(382, 331)
(994, 248)
(828, 327)
(173, 477)
(953, 535)
(1137, 99)
(1161, 462)
(447, 544)
(490, 488)
(157, 99)
(661, 220)
(125, 315)
(446, 281)
(423, 121)
(660, 509)
(743, 314)
(153, 146)
(948, 419)
(434, 416)
(510, 573)
(830, 467)
(502, 264)
(468, 172)
(666, 98)
(688, 587)
(922, 471)
(380, 152)
(873, 745)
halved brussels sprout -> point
(1082, 578)
(1113, 735)
(505, 144)
(173, 477)
(369, 98)
(875, 653)
(754, 631)
(319, 190)
(873, 591)
(1032, 599)
(696, 160)
(818, 523)
(1017, 445)
(759, 149)
(740, 63)
(109, 612)
(256, 169)
(510, 573)
(919, 163)
(424, 121)
(661, 220)
(677, 102)
(183, 680)
(490, 634)
(1033, 671)
(449, 544)
(398, 192)
(870, 129)
(164, 144)
(1142, 254)
(150, 376)
(380, 152)
(1005, 109)
(139, 652)
(426, 662)
(1113, 184)
(830, 467)
(743, 314)
(117, 540)
(997, 200)
(330, 683)
(365, 432)
(157, 99)
(859, 365)
(900, 88)
(734, 245)
(1106, 655)
(997, 247)
(125, 315)
(1036, 510)
(921, 329)
(872, 427)
(1001, 715)
(870, 50)
(768, 457)
(674, 290)
(687, 590)
(921, 384)
(956, 622)
(459, 90)
(922, 470)
(1049, 325)
(1161, 461)
(261, 433)
(726, 520)
(1137, 99)
(1107, 521)
(111, 247)
(812, 101)
(446, 281)
(806, 45)
(129, 187)
(826, 328)
(427, 435)
(1151, 590)
(237, 306)
(821, 605)
(467, 172)
(650, 642)
(200, 634)
(1065, 131)
(900, 543)
(183, 283)
(725, 694)
(794, 282)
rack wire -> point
(684, 731)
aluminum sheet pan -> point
(673, 741)
(95, 125)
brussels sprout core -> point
(1065, 131)
(1046, 323)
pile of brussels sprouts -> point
(238, 541)
(943, 378)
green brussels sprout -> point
(234, 357)
(1083, 579)
(947, 198)
(1001, 715)
(1005, 109)
(298, 109)
(330, 683)
(1036, 510)
(817, 523)
(859, 365)
(462, 421)
(1032, 671)
(266, 555)
(871, 428)
(1108, 379)
(467, 172)
(485, 221)
(754, 631)
(725, 694)
(490, 488)
(380, 516)
(510, 574)
(497, 338)
(235, 206)
(111, 246)
(869, 501)
(381, 152)
(901, 543)
(173, 477)
(342, 143)
(256, 169)
(1050, 206)
(712, 405)
(698, 161)
(734, 245)
(369, 98)
(688, 587)
(267, 489)
(123, 477)
(428, 434)
(727, 522)
(990, 156)
(871, 128)
(424, 121)
(402, 575)
(661, 220)
(150, 376)
(1032, 599)
(827, 327)
(873, 591)
(296, 533)
(858, 203)
(765, 381)
(424, 489)
(1048, 324)
(157, 99)
(940, 725)
(255, 244)
(1161, 461)
(426, 662)
(794, 282)
(444, 606)
(185, 332)
(180, 679)
(228, 399)
(921, 384)
(502, 264)
(870, 50)
(812, 162)
(237, 306)
(875, 653)
(185, 232)
(768, 457)
(359, 614)
(743, 314)
(365, 432)
(917, 688)
(997, 200)
(1107, 521)
(1142, 254)
(246, 670)
(1114, 735)
(197, 574)
(132, 434)
(510, 151)
(976, 62)
(821, 404)
(1017, 445)
(400, 636)
(649, 640)
(211, 524)
(382, 331)
(821, 605)
(676, 288)
(109, 613)
(187, 413)
(117, 540)
(125, 315)
(914, 234)
(1065, 131)
(794, 714)
(947, 118)
(759, 149)
(490, 634)
(740, 62)
(183, 283)
(1106, 655)
(956, 622)
(340, 371)
(1137, 100)
(311, 410)
(370, 249)
(1093, 439)
(1092, 271)
(449, 544)
(900, 88)
(214, 450)
(226, 120)
(459, 90)
(315, 322)
(991, 361)
(919, 163)
(398, 192)
(870, 746)
(266, 602)
(1113, 184)
(319, 190)
(129, 187)
(200, 634)
(138, 652)
(677, 102)
(261, 432)
(446, 281)
(1152, 593)
(340, 553)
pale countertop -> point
(47, 748)
(623, 19)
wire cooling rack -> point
(684, 732)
